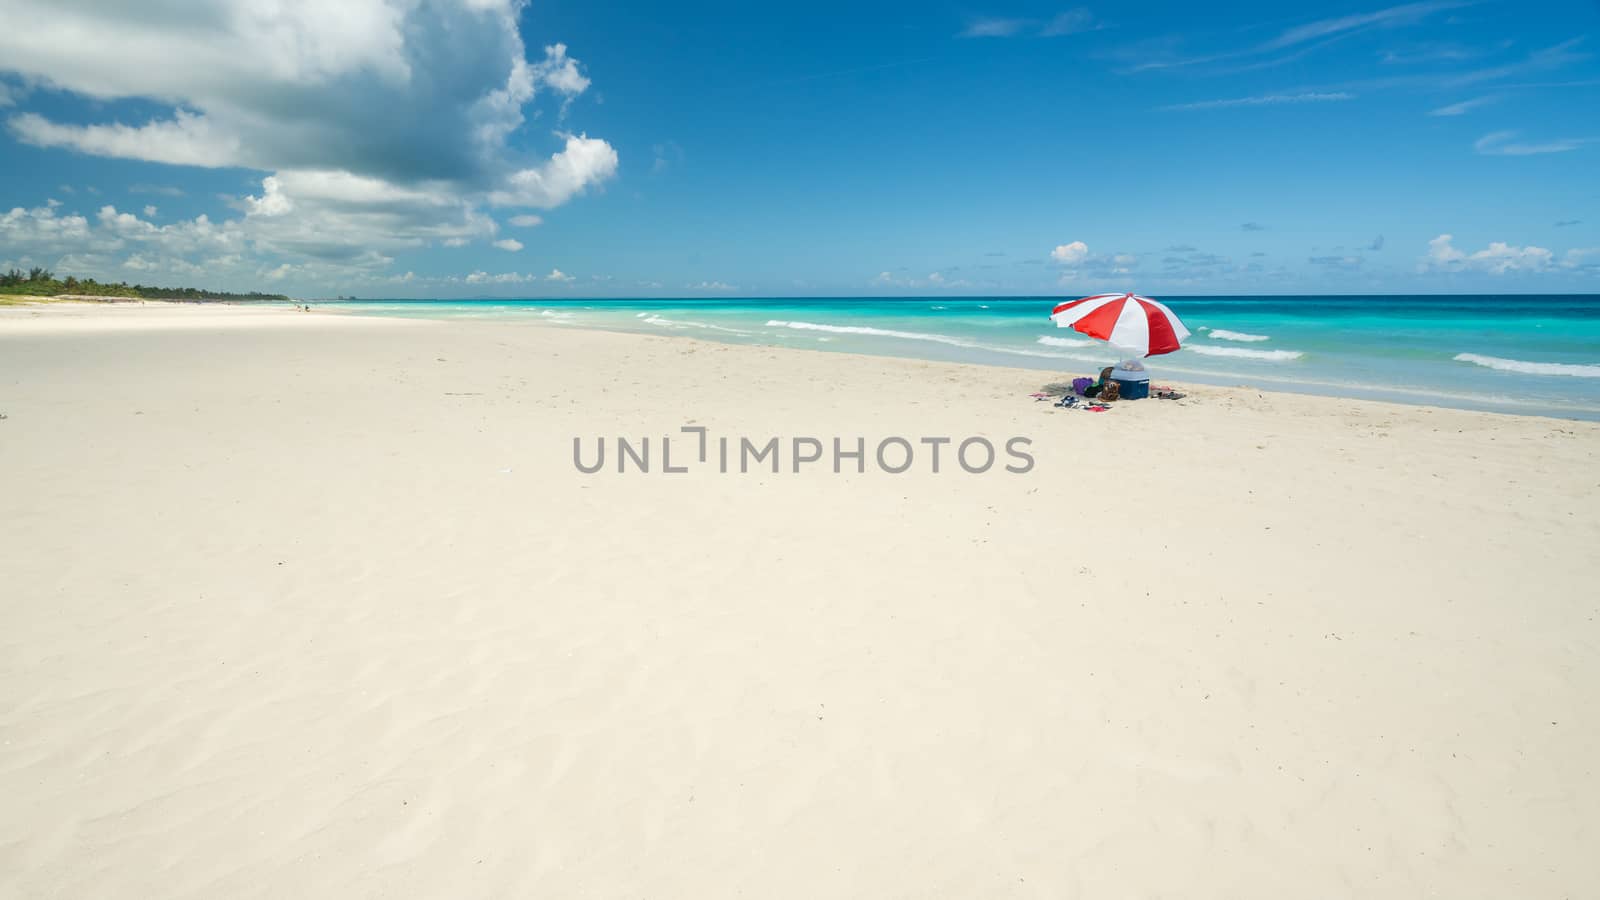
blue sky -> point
(394, 148)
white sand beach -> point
(301, 604)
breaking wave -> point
(1241, 353)
(946, 339)
(664, 322)
(869, 330)
(1223, 334)
(1065, 342)
(1529, 368)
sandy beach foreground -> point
(299, 604)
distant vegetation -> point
(43, 283)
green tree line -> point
(44, 283)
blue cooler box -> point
(1133, 382)
(1133, 390)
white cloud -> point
(341, 224)
(526, 221)
(1070, 254)
(481, 277)
(186, 140)
(1082, 265)
(150, 211)
(509, 244)
(268, 78)
(1464, 107)
(196, 236)
(1072, 21)
(1265, 100)
(1543, 59)
(585, 161)
(992, 27)
(272, 202)
(560, 72)
(40, 230)
(667, 155)
(1498, 258)
(1395, 15)
(1503, 143)
(710, 286)
(932, 280)
(1442, 253)
(379, 125)
(115, 244)
(336, 215)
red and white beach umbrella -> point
(1134, 323)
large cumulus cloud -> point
(378, 125)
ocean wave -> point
(1065, 342)
(1039, 354)
(874, 332)
(664, 322)
(1223, 334)
(946, 339)
(1241, 353)
(1529, 368)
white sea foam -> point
(875, 332)
(1037, 354)
(1530, 368)
(1065, 342)
(869, 331)
(1241, 353)
(1223, 334)
(664, 322)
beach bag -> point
(1079, 385)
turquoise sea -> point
(1520, 354)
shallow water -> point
(1535, 354)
